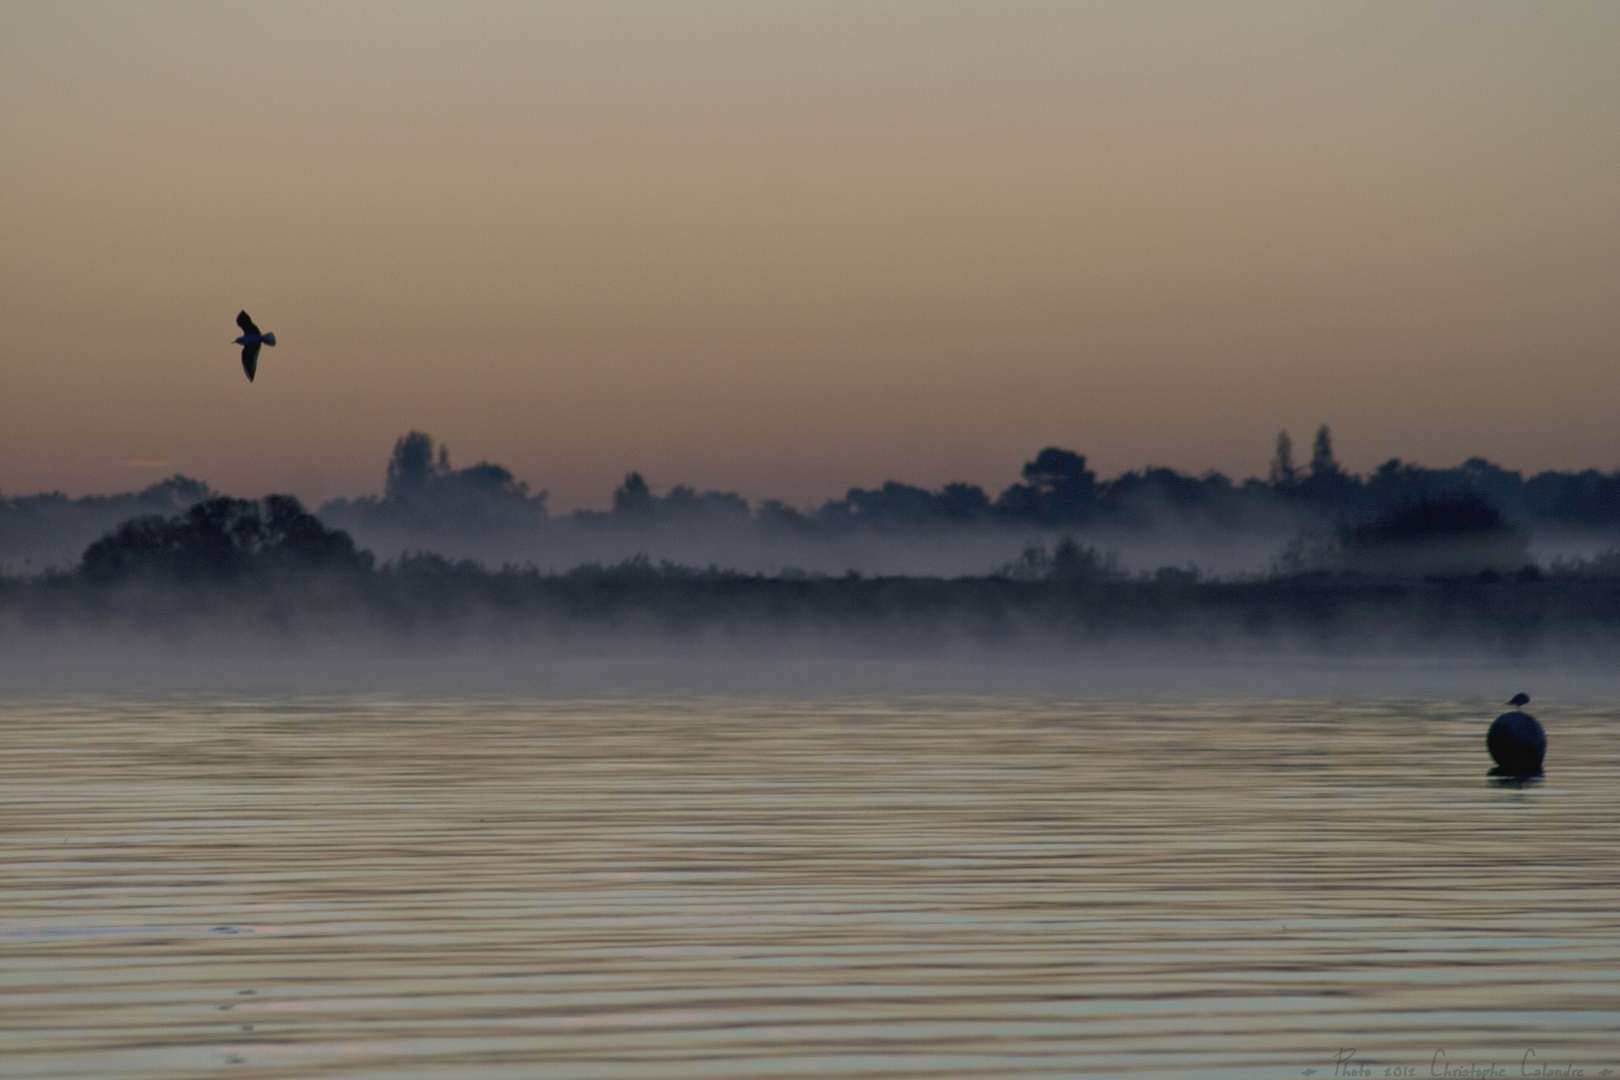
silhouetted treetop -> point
(1445, 517)
(1322, 463)
(416, 478)
(411, 468)
(633, 498)
(1058, 488)
(221, 540)
(1455, 534)
(423, 492)
(1283, 473)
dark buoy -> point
(1516, 741)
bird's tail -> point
(270, 338)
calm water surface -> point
(715, 888)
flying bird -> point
(250, 341)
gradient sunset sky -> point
(788, 248)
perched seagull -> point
(250, 341)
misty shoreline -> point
(1440, 573)
(1145, 519)
(429, 604)
(1430, 577)
(259, 597)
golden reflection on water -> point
(761, 888)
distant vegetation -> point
(1400, 520)
(1455, 535)
(1397, 580)
(224, 541)
(38, 530)
(1055, 489)
(1448, 534)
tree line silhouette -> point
(427, 501)
(1443, 571)
(1055, 489)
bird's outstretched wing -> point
(246, 323)
(250, 359)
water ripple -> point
(756, 888)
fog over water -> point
(459, 578)
(804, 666)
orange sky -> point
(786, 248)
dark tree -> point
(893, 504)
(1322, 463)
(424, 492)
(1454, 534)
(1326, 484)
(410, 469)
(963, 502)
(1283, 473)
(633, 500)
(223, 540)
(1057, 489)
